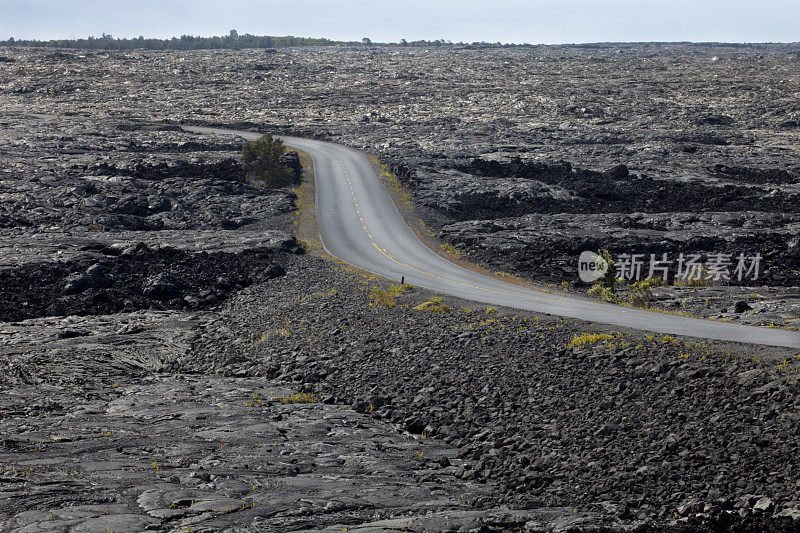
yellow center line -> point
(383, 252)
(566, 303)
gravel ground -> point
(646, 427)
(628, 432)
(107, 424)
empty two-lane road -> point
(359, 223)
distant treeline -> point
(233, 41)
(184, 42)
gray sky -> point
(532, 21)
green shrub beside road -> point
(261, 161)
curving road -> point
(360, 224)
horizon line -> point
(439, 42)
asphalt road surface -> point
(360, 224)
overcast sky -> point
(518, 21)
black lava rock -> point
(415, 425)
(161, 287)
(78, 282)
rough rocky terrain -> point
(671, 130)
(242, 459)
(149, 419)
(529, 410)
(149, 291)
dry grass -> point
(385, 297)
(433, 305)
(399, 192)
(304, 223)
(299, 397)
(449, 249)
(590, 338)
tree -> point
(261, 161)
(234, 33)
(366, 40)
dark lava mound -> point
(128, 280)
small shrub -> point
(603, 288)
(257, 401)
(601, 292)
(305, 245)
(385, 298)
(261, 161)
(590, 338)
(610, 276)
(449, 249)
(648, 283)
(639, 293)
